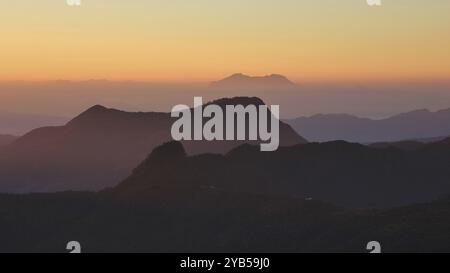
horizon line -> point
(210, 81)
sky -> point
(205, 40)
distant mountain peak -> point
(97, 108)
(238, 75)
(242, 80)
(94, 114)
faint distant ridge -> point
(242, 80)
(422, 125)
(20, 124)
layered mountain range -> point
(247, 201)
(341, 173)
(100, 147)
(415, 125)
(217, 197)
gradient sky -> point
(203, 40)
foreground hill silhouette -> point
(99, 148)
(418, 124)
(206, 221)
(169, 204)
(341, 173)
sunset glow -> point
(203, 40)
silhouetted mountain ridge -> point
(338, 172)
(249, 201)
(162, 218)
(98, 148)
(245, 101)
(419, 124)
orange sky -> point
(204, 40)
